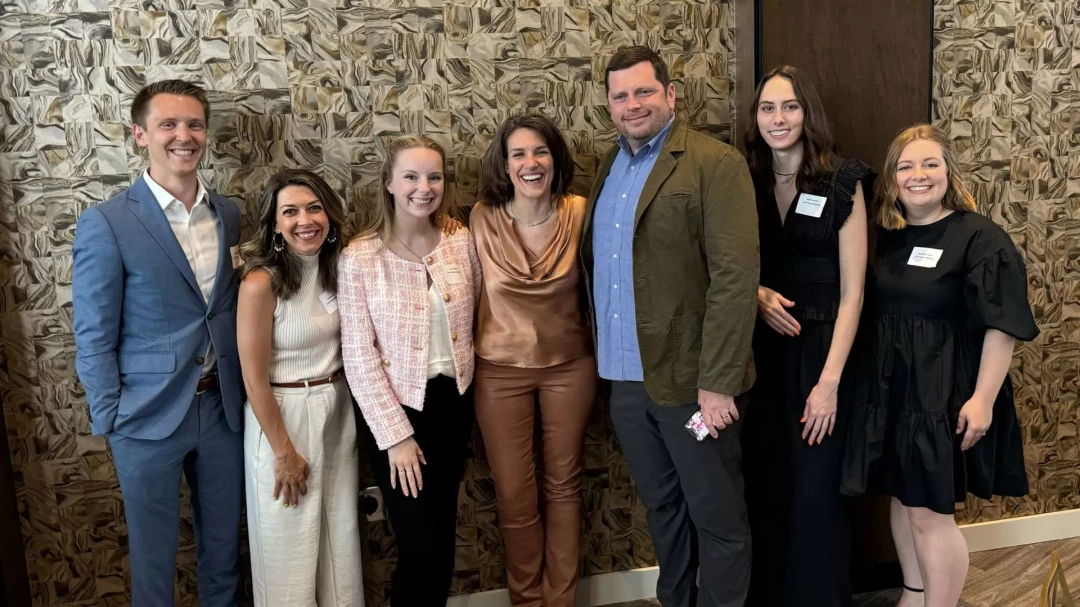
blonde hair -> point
(889, 213)
(379, 219)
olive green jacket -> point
(695, 267)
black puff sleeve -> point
(995, 288)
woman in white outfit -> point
(300, 453)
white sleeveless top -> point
(307, 331)
(440, 350)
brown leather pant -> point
(542, 557)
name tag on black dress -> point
(924, 257)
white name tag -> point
(235, 253)
(329, 301)
(810, 205)
(454, 275)
(924, 257)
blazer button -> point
(200, 360)
(446, 297)
(429, 259)
(210, 316)
(453, 337)
(385, 363)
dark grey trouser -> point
(693, 493)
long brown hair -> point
(888, 212)
(819, 150)
(379, 220)
(286, 272)
(496, 188)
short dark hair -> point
(629, 56)
(495, 185)
(140, 106)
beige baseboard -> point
(625, 586)
(1022, 530)
(602, 589)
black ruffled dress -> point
(798, 518)
(924, 330)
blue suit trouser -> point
(211, 457)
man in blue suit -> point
(154, 292)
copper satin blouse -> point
(530, 311)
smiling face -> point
(639, 104)
(529, 163)
(416, 182)
(780, 114)
(175, 135)
(301, 219)
(922, 177)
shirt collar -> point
(656, 142)
(164, 198)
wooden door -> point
(870, 60)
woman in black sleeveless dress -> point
(812, 227)
(934, 417)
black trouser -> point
(693, 493)
(425, 527)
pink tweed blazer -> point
(386, 325)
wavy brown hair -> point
(380, 218)
(286, 273)
(496, 188)
(889, 212)
(819, 150)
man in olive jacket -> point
(670, 253)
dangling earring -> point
(332, 238)
(279, 242)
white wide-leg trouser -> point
(306, 556)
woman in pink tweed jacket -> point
(407, 293)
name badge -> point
(329, 301)
(235, 253)
(924, 257)
(454, 275)
(810, 205)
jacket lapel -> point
(149, 212)
(224, 266)
(665, 164)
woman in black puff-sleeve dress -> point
(812, 230)
(935, 420)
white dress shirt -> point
(197, 233)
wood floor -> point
(1009, 577)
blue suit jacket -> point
(141, 324)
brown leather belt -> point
(336, 375)
(207, 382)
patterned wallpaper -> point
(1005, 85)
(319, 83)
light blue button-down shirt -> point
(618, 357)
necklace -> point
(419, 258)
(783, 174)
(510, 209)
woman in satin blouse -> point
(533, 344)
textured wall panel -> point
(1005, 86)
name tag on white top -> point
(235, 253)
(810, 205)
(454, 275)
(924, 257)
(329, 301)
